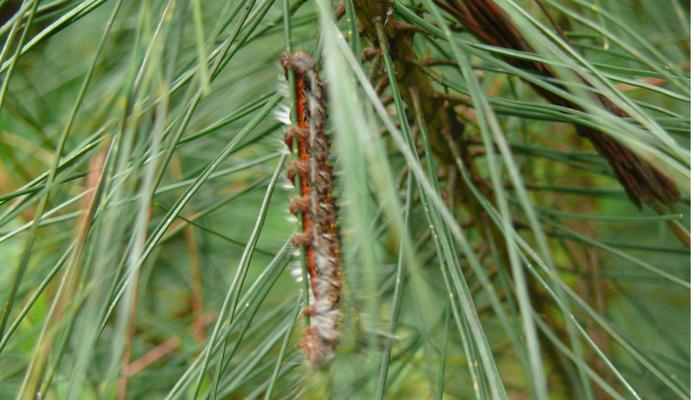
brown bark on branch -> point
(643, 182)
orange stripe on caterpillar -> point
(316, 206)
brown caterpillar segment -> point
(299, 205)
(316, 206)
(297, 168)
(292, 133)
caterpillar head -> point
(299, 62)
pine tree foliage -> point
(512, 180)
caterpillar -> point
(316, 208)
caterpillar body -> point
(316, 207)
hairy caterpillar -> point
(316, 207)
